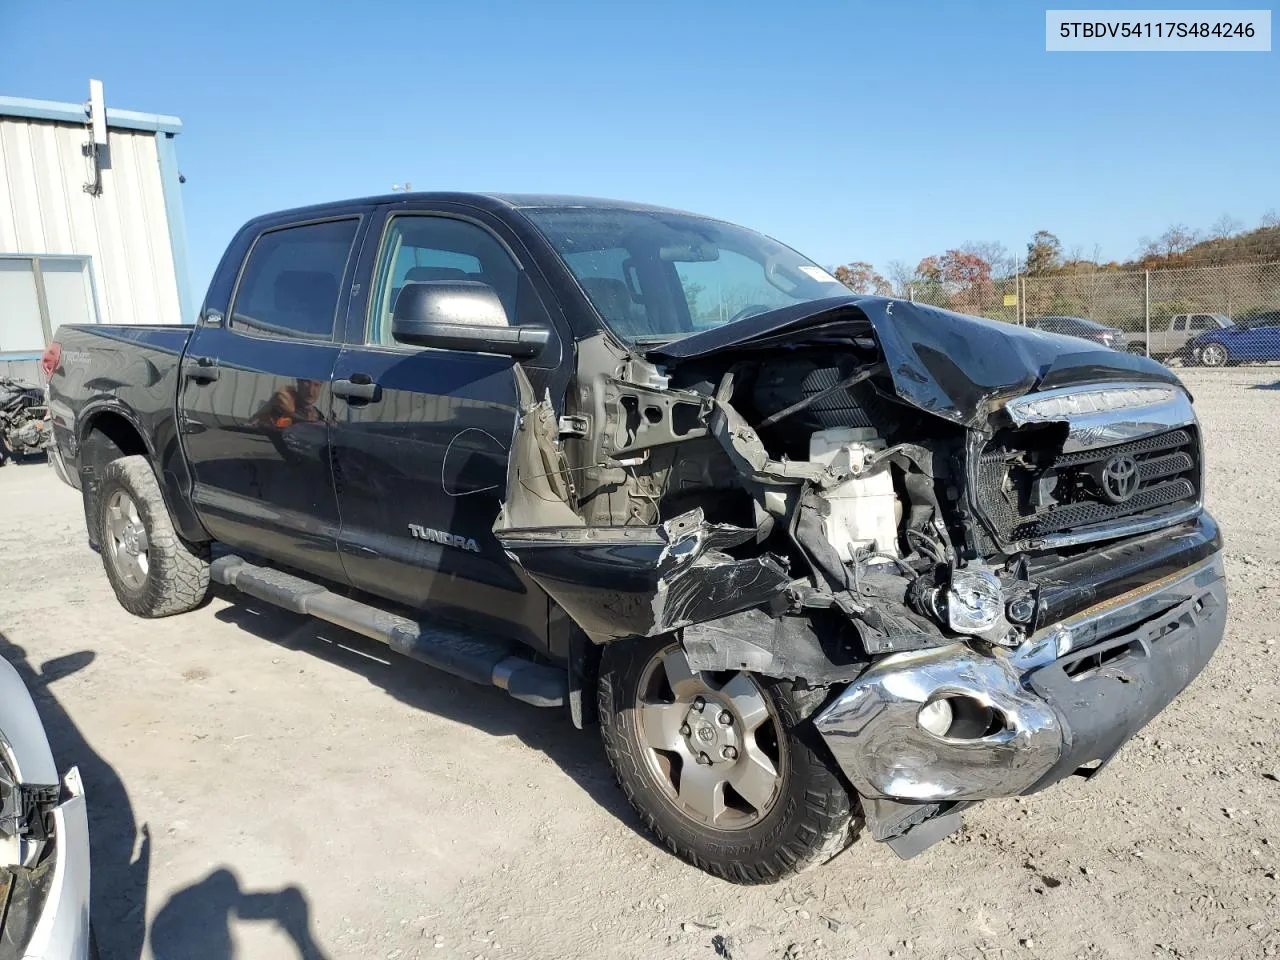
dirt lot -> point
(262, 786)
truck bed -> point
(105, 373)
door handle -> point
(359, 388)
(202, 369)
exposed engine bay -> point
(918, 512)
(824, 519)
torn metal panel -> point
(641, 581)
(747, 451)
(788, 647)
(647, 416)
(539, 492)
(945, 363)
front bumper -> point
(1069, 697)
(62, 931)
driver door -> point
(419, 452)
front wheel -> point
(153, 571)
(720, 766)
(1214, 355)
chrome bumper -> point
(1070, 696)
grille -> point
(1025, 494)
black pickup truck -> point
(812, 561)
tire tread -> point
(809, 835)
(178, 580)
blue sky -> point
(851, 131)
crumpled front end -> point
(980, 550)
(953, 724)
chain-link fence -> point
(1212, 316)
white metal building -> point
(91, 225)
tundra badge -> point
(442, 538)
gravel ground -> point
(263, 786)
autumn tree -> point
(1003, 263)
(927, 284)
(967, 280)
(861, 277)
(1044, 253)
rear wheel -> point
(153, 571)
(720, 766)
(1214, 355)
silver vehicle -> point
(1170, 340)
(44, 839)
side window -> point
(292, 280)
(1202, 322)
(420, 247)
(1180, 322)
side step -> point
(489, 661)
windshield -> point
(657, 276)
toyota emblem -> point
(1120, 478)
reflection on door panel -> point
(421, 470)
(257, 404)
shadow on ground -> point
(195, 923)
(120, 857)
(577, 752)
(1266, 386)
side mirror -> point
(461, 315)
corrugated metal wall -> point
(125, 230)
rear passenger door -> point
(256, 405)
(420, 454)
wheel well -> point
(109, 437)
(110, 433)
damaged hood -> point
(946, 363)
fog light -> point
(1021, 609)
(935, 717)
(974, 601)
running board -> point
(489, 661)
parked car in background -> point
(44, 838)
(1084, 329)
(1169, 340)
(1253, 340)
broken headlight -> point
(1060, 405)
(974, 601)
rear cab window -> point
(291, 282)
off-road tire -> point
(178, 578)
(809, 823)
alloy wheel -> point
(128, 539)
(1213, 355)
(713, 741)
